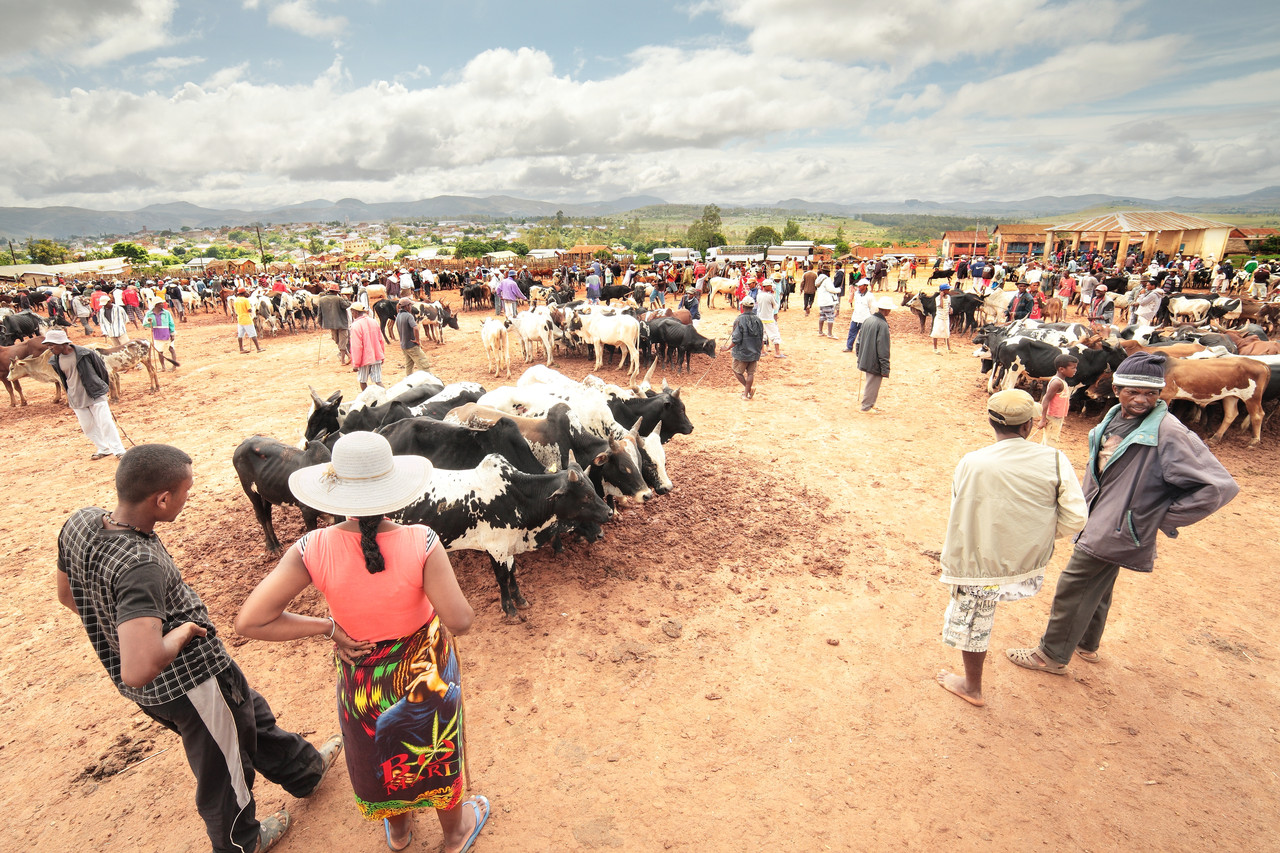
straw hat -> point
(886, 303)
(362, 479)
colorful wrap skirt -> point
(400, 710)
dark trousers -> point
(854, 326)
(1080, 606)
(227, 715)
(808, 301)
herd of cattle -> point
(516, 468)
(1208, 362)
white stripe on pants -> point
(99, 427)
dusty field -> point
(744, 664)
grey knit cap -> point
(1140, 370)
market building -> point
(1148, 231)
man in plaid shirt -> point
(155, 638)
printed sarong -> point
(400, 710)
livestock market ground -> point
(744, 664)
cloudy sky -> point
(124, 103)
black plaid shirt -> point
(98, 562)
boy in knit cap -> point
(1146, 472)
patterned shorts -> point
(827, 314)
(970, 615)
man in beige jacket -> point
(1009, 501)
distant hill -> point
(63, 222)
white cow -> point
(497, 346)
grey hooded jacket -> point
(1161, 477)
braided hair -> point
(369, 543)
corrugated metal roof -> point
(1141, 221)
(966, 235)
(1017, 228)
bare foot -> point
(953, 683)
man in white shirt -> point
(767, 311)
(1009, 501)
(863, 305)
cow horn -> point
(649, 375)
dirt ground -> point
(746, 663)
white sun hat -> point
(363, 478)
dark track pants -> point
(1080, 606)
(228, 731)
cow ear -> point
(335, 398)
(600, 459)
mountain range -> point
(19, 223)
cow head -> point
(576, 500)
(322, 418)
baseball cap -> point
(1012, 407)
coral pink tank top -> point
(375, 607)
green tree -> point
(763, 235)
(1271, 245)
(791, 231)
(840, 234)
(711, 217)
(238, 235)
(132, 251)
(471, 248)
(47, 252)
(702, 236)
(519, 248)
(314, 245)
(842, 248)
(603, 255)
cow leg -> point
(262, 510)
(504, 572)
(13, 401)
(1256, 416)
(1230, 408)
(151, 373)
(310, 518)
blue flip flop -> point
(386, 824)
(480, 820)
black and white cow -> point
(449, 398)
(456, 448)
(16, 327)
(504, 512)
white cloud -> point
(302, 17)
(913, 33)
(1082, 74)
(84, 33)
(785, 117)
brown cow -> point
(10, 356)
(1229, 379)
(681, 314)
(1053, 309)
(1172, 350)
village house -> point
(1012, 241)
(1248, 240)
(971, 243)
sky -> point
(117, 104)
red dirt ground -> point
(745, 664)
